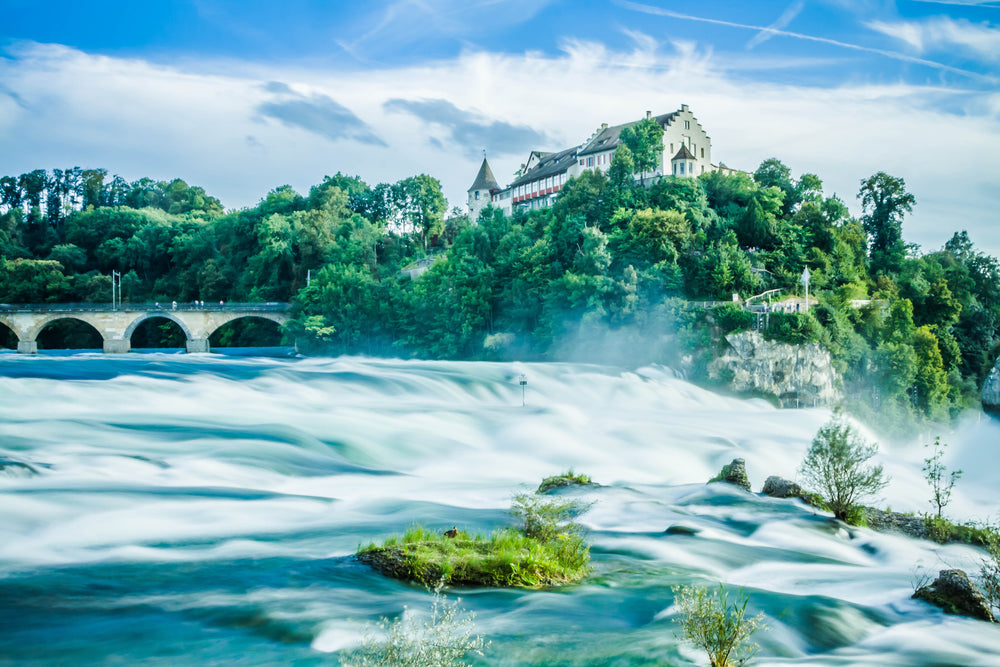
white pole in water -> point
(523, 379)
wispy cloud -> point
(659, 11)
(940, 33)
(786, 17)
(968, 3)
(469, 130)
(316, 113)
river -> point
(203, 509)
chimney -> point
(604, 126)
(684, 107)
(649, 114)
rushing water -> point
(201, 509)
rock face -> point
(956, 594)
(991, 390)
(779, 487)
(914, 526)
(797, 375)
(734, 473)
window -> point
(675, 170)
(581, 162)
(702, 154)
(687, 125)
(703, 169)
(590, 162)
(477, 195)
(671, 149)
(682, 168)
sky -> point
(241, 97)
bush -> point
(937, 476)
(989, 573)
(793, 328)
(731, 317)
(722, 629)
(442, 640)
(836, 467)
(546, 518)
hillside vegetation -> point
(613, 271)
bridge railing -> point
(270, 306)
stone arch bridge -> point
(116, 324)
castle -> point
(544, 174)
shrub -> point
(989, 573)
(547, 518)
(731, 317)
(442, 640)
(793, 328)
(836, 467)
(713, 624)
(937, 477)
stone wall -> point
(796, 375)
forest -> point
(616, 270)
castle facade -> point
(686, 151)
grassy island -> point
(547, 550)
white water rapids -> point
(204, 509)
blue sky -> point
(241, 97)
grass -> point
(943, 531)
(505, 558)
(568, 478)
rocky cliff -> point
(797, 375)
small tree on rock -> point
(720, 628)
(940, 479)
(836, 466)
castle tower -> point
(682, 164)
(481, 192)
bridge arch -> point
(164, 314)
(248, 321)
(68, 332)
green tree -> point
(645, 140)
(885, 201)
(836, 466)
(717, 626)
(938, 476)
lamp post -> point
(116, 280)
(523, 380)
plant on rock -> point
(836, 466)
(714, 624)
(442, 640)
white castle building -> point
(544, 174)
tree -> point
(938, 477)
(885, 200)
(645, 140)
(836, 466)
(713, 624)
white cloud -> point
(942, 33)
(786, 17)
(138, 119)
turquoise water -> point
(201, 509)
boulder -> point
(734, 473)
(991, 390)
(955, 593)
(779, 487)
(914, 526)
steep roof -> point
(484, 179)
(551, 163)
(608, 138)
(683, 154)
